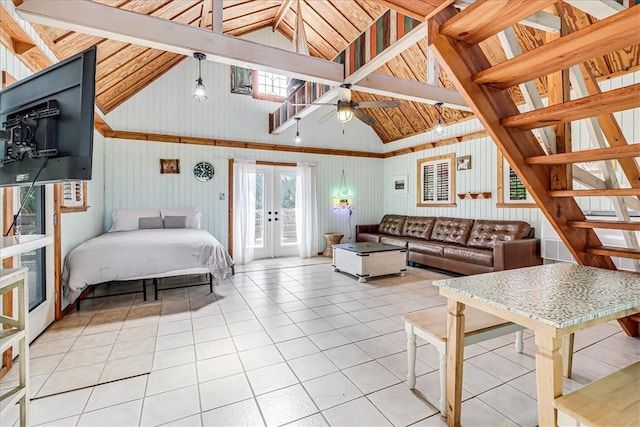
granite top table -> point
(553, 300)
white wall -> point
(133, 180)
(480, 178)
(78, 227)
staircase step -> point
(609, 192)
(609, 153)
(590, 42)
(609, 225)
(621, 252)
(482, 20)
(624, 98)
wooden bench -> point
(610, 401)
(431, 325)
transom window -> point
(270, 86)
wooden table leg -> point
(548, 378)
(455, 356)
(411, 356)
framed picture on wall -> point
(241, 80)
(400, 184)
(464, 163)
(169, 166)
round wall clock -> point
(203, 171)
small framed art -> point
(169, 165)
(400, 184)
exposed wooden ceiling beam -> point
(117, 24)
(206, 12)
(485, 18)
(16, 39)
(420, 10)
(609, 35)
(217, 16)
(282, 10)
(410, 90)
(600, 9)
(408, 40)
(542, 20)
(624, 98)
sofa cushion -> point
(427, 247)
(392, 224)
(452, 230)
(485, 233)
(419, 227)
(368, 237)
(395, 241)
(469, 255)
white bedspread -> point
(126, 255)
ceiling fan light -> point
(344, 114)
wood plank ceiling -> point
(330, 25)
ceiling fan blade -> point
(327, 116)
(364, 117)
(377, 104)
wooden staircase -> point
(454, 37)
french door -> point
(39, 261)
(275, 221)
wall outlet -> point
(221, 196)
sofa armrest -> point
(510, 254)
(366, 228)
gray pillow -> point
(150, 222)
(175, 221)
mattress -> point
(128, 255)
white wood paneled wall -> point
(481, 177)
(133, 180)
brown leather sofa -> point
(464, 246)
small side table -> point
(332, 239)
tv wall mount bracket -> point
(19, 132)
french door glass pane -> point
(32, 222)
(288, 208)
(260, 213)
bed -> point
(138, 246)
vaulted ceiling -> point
(330, 25)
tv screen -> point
(46, 124)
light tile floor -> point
(282, 342)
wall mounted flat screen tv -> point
(46, 124)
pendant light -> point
(344, 112)
(439, 127)
(200, 91)
(297, 140)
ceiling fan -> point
(346, 109)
